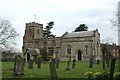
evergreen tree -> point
(82, 27)
(47, 32)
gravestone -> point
(91, 63)
(42, 61)
(98, 62)
(119, 63)
(112, 68)
(73, 65)
(53, 72)
(39, 57)
(108, 58)
(23, 61)
(104, 49)
(18, 65)
(30, 63)
(35, 60)
(57, 63)
(38, 63)
(68, 64)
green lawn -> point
(78, 72)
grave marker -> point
(112, 68)
(18, 65)
(53, 73)
(30, 63)
(39, 61)
(91, 63)
(73, 65)
(57, 63)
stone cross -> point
(18, 65)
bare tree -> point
(107, 40)
(7, 34)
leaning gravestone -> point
(18, 65)
(91, 63)
(53, 72)
(112, 68)
(30, 63)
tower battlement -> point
(33, 24)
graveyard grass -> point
(44, 72)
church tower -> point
(32, 36)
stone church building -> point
(79, 45)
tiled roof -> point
(79, 34)
(32, 51)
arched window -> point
(69, 49)
(29, 30)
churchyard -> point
(82, 68)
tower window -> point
(29, 30)
(38, 31)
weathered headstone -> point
(52, 67)
(112, 68)
(35, 60)
(30, 63)
(91, 63)
(57, 62)
(98, 62)
(73, 65)
(107, 60)
(38, 63)
(42, 61)
(119, 63)
(18, 65)
(103, 55)
(23, 61)
(39, 57)
(68, 65)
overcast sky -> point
(66, 14)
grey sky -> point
(67, 15)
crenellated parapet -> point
(33, 24)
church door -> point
(79, 55)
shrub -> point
(89, 75)
(106, 75)
(98, 75)
(39, 56)
(117, 75)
